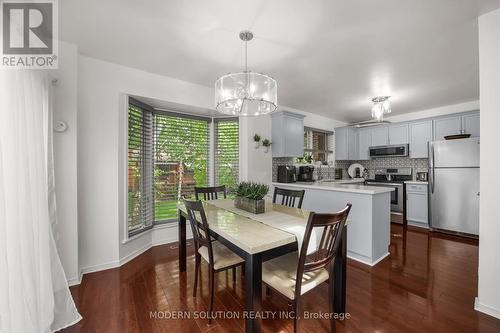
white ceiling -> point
(329, 57)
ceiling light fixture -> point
(246, 93)
(381, 106)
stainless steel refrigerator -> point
(454, 185)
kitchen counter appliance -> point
(395, 178)
(305, 173)
(454, 186)
(287, 174)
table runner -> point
(291, 223)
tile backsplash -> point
(417, 164)
(328, 172)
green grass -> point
(165, 210)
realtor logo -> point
(29, 34)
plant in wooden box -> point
(250, 197)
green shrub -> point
(250, 190)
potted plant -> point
(250, 197)
(256, 140)
(266, 143)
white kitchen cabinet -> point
(287, 134)
(398, 134)
(341, 144)
(417, 205)
(346, 142)
(380, 136)
(352, 143)
(470, 124)
(364, 143)
(447, 126)
(420, 134)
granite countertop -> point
(416, 182)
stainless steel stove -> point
(395, 178)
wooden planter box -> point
(249, 205)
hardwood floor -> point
(427, 284)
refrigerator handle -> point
(431, 166)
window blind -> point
(318, 143)
(140, 169)
(181, 146)
(226, 152)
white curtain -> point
(34, 294)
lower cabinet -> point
(417, 205)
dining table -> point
(257, 238)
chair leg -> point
(234, 274)
(296, 322)
(211, 300)
(197, 265)
(331, 289)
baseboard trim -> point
(134, 254)
(364, 261)
(486, 309)
(101, 267)
(76, 281)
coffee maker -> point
(287, 174)
(306, 173)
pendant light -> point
(246, 93)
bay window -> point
(168, 155)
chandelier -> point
(381, 106)
(246, 93)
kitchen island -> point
(368, 234)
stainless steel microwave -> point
(389, 151)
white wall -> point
(488, 299)
(64, 99)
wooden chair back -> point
(210, 193)
(199, 226)
(332, 225)
(289, 197)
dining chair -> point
(210, 193)
(218, 256)
(293, 274)
(288, 197)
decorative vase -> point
(266, 149)
(250, 205)
(257, 144)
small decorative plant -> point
(256, 140)
(250, 197)
(266, 143)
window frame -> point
(144, 108)
(308, 143)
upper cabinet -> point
(398, 134)
(457, 124)
(470, 124)
(380, 136)
(364, 143)
(447, 126)
(420, 133)
(353, 144)
(288, 134)
(346, 141)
